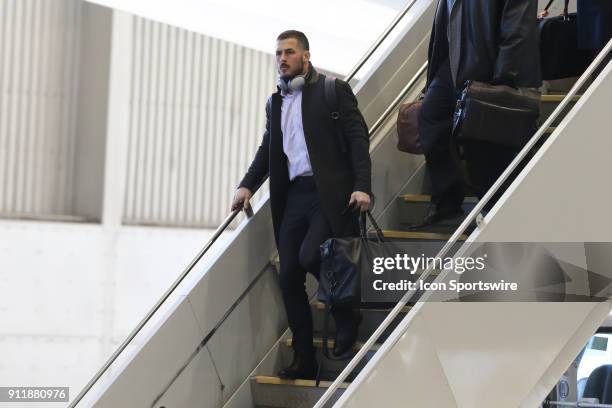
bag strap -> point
(362, 226)
(331, 99)
(326, 329)
(550, 2)
(326, 352)
(565, 7)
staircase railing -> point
(226, 222)
(471, 217)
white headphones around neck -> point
(295, 84)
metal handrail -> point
(396, 102)
(379, 41)
(228, 220)
(465, 224)
(577, 404)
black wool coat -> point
(337, 173)
(493, 41)
(594, 23)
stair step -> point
(264, 379)
(414, 207)
(372, 317)
(425, 198)
(550, 102)
(405, 309)
(275, 392)
(558, 98)
(317, 342)
(330, 369)
(420, 235)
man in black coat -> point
(316, 175)
(493, 41)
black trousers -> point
(435, 128)
(485, 161)
(303, 229)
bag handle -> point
(550, 2)
(565, 7)
(362, 226)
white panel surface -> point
(138, 384)
(196, 117)
(505, 354)
(249, 333)
(39, 54)
(197, 386)
(403, 385)
(70, 294)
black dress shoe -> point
(303, 366)
(435, 215)
(346, 334)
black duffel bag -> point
(559, 53)
(496, 114)
(343, 261)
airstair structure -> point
(219, 336)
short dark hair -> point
(298, 35)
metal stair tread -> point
(550, 129)
(272, 380)
(405, 309)
(317, 342)
(557, 98)
(424, 198)
(420, 235)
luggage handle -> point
(362, 226)
(565, 8)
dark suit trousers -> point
(303, 229)
(485, 161)
(435, 128)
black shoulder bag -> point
(343, 261)
(496, 114)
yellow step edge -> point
(424, 198)
(317, 342)
(405, 309)
(263, 379)
(558, 98)
(420, 235)
(550, 129)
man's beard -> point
(289, 77)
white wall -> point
(39, 54)
(81, 118)
(71, 293)
(196, 118)
(186, 112)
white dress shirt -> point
(294, 143)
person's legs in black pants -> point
(304, 228)
(441, 155)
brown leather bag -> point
(408, 128)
